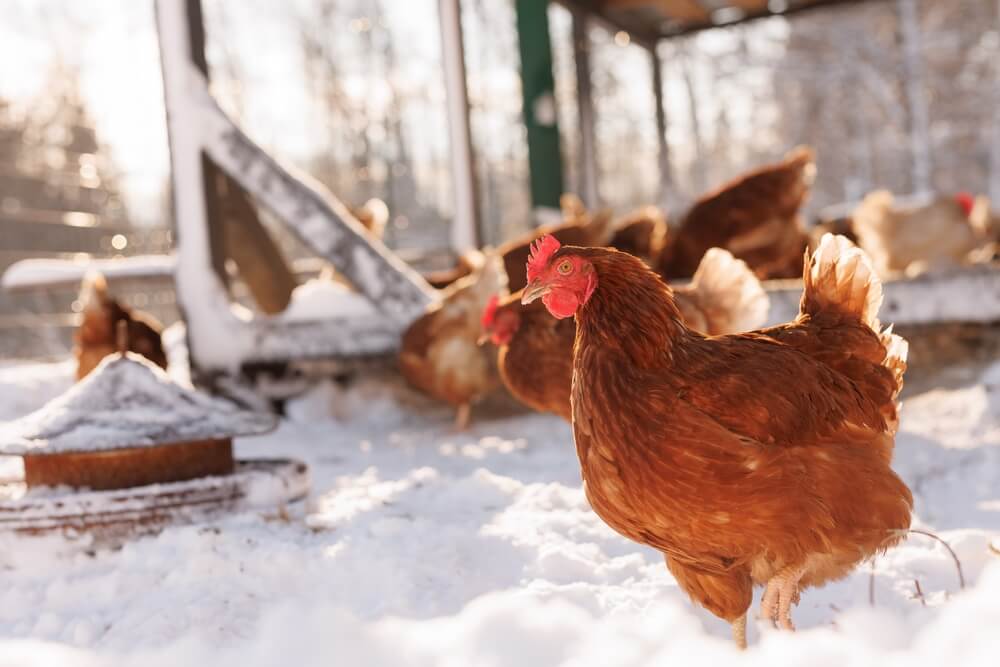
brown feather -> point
(95, 338)
(755, 217)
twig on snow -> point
(920, 594)
(954, 556)
(871, 585)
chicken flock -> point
(747, 456)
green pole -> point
(538, 88)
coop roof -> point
(127, 402)
(651, 20)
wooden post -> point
(663, 154)
(465, 230)
(538, 90)
(587, 187)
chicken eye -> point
(565, 268)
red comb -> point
(490, 312)
(541, 252)
(966, 201)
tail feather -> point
(732, 295)
(841, 285)
(803, 157)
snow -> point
(322, 298)
(43, 272)
(421, 546)
(127, 402)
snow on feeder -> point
(128, 451)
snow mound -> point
(126, 402)
(322, 298)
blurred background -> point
(900, 94)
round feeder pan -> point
(128, 467)
(110, 517)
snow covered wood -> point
(35, 273)
(127, 402)
(970, 294)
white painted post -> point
(588, 187)
(913, 68)
(465, 225)
(208, 316)
(994, 174)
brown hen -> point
(439, 353)
(755, 217)
(756, 458)
(100, 327)
(577, 228)
(535, 350)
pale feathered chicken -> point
(915, 237)
(439, 353)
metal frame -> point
(584, 11)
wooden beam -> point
(643, 35)
(968, 294)
(679, 10)
(749, 5)
(616, 18)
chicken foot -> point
(780, 593)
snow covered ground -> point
(420, 546)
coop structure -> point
(127, 450)
(221, 177)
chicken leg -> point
(740, 632)
(462, 417)
(780, 593)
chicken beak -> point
(533, 291)
(482, 339)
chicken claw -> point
(781, 592)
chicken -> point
(755, 217)
(755, 458)
(535, 350)
(374, 216)
(439, 353)
(577, 228)
(946, 231)
(101, 328)
(642, 233)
